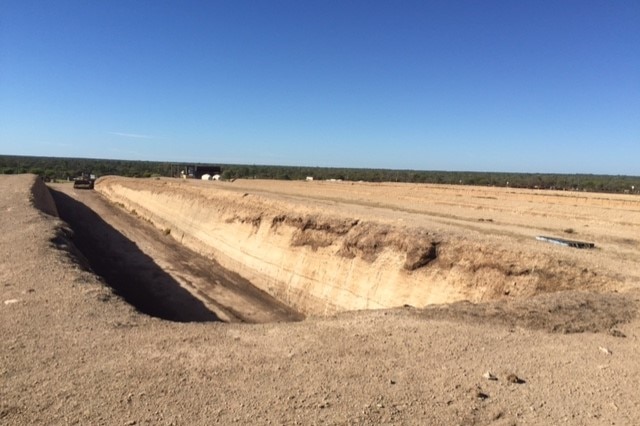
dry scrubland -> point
(562, 320)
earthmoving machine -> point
(84, 181)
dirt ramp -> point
(322, 260)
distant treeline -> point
(67, 168)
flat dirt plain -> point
(75, 350)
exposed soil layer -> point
(74, 352)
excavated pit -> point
(319, 261)
(185, 288)
(124, 245)
(150, 266)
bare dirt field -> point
(81, 349)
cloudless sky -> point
(522, 86)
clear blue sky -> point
(524, 86)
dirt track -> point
(73, 352)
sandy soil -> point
(74, 352)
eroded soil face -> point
(504, 216)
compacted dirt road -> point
(73, 351)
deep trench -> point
(124, 267)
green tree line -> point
(67, 168)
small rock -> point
(392, 382)
(512, 378)
(616, 333)
(604, 350)
(489, 376)
(130, 423)
(11, 301)
(477, 392)
(481, 395)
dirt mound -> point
(560, 312)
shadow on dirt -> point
(131, 273)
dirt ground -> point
(74, 351)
